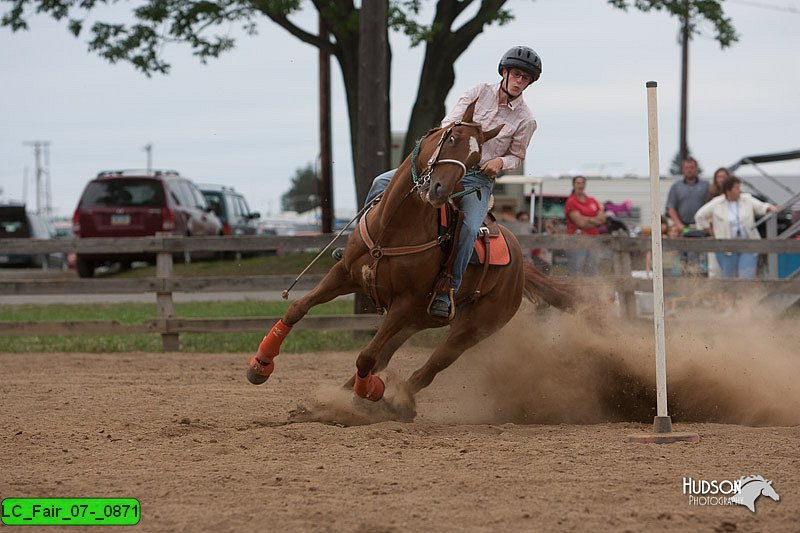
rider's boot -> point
(440, 307)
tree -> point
(158, 22)
(302, 195)
(691, 14)
(696, 12)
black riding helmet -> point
(523, 58)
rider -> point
(499, 103)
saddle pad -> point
(498, 251)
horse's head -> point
(459, 148)
(768, 491)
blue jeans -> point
(379, 185)
(738, 265)
(474, 212)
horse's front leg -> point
(365, 383)
(388, 350)
(335, 283)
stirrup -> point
(435, 311)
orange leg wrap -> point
(261, 363)
(370, 387)
(271, 345)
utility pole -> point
(149, 149)
(325, 171)
(43, 197)
(686, 19)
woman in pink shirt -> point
(583, 214)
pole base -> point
(663, 434)
(662, 424)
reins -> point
(423, 179)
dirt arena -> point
(524, 433)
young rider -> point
(499, 103)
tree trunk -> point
(436, 80)
(438, 69)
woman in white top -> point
(732, 215)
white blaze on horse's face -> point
(473, 146)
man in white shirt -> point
(499, 103)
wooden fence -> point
(625, 251)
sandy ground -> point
(526, 432)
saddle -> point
(492, 238)
(489, 237)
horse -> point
(751, 488)
(396, 257)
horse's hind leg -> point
(335, 283)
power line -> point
(762, 5)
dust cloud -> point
(555, 368)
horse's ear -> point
(492, 133)
(469, 112)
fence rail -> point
(165, 284)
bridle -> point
(423, 179)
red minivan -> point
(131, 203)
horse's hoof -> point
(370, 387)
(259, 371)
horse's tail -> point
(559, 293)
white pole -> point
(655, 233)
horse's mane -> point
(748, 479)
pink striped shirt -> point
(512, 141)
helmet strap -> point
(505, 88)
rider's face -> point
(515, 81)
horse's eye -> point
(452, 139)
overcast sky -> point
(250, 118)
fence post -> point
(166, 307)
(772, 258)
(623, 269)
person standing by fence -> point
(714, 190)
(733, 216)
(686, 196)
(584, 215)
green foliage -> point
(697, 12)
(303, 195)
(676, 167)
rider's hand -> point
(492, 167)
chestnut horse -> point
(395, 257)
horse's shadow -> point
(338, 406)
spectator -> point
(733, 215)
(686, 196)
(584, 215)
(715, 189)
(506, 214)
(523, 216)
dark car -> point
(232, 210)
(137, 204)
(17, 223)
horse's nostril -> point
(437, 189)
